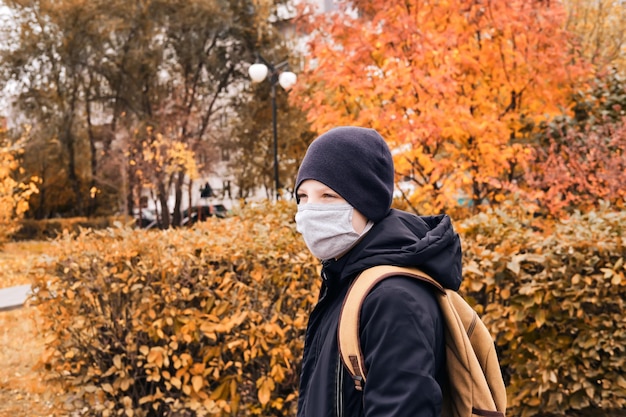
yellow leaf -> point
(146, 399)
(513, 266)
(540, 318)
(617, 278)
(197, 369)
(156, 356)
(265, 386)
(220, 392)
(196, 382)
(125, 384)
(608, 272)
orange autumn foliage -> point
(454, 86)
(14, 190)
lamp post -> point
(259, 72)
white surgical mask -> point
(327, 228)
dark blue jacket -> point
(401, 328)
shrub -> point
(210, 320)
(196, 321)
(553, 295)
(30, 229)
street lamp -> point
(259, 72)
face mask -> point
(327, 228)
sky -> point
(10, 89)
(4, 21)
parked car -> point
(199, 213)
(146, 219)
(219, 210)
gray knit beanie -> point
(356, 163)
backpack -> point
(475, 386)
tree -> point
(456, 87)
(98, 73)
(581, 169)
(599, 26)
(15, 189)
(580, 160)
(44, 67)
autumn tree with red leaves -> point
(580, 168)
(456, 87)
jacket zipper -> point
(339, 389)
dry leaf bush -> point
(553, 296)
(47, 229)
(185, 322)
(210, 320)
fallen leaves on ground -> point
(23, 393)
(18, 260)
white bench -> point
(13, 297)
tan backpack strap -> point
(349, 320)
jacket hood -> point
(405, 239)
